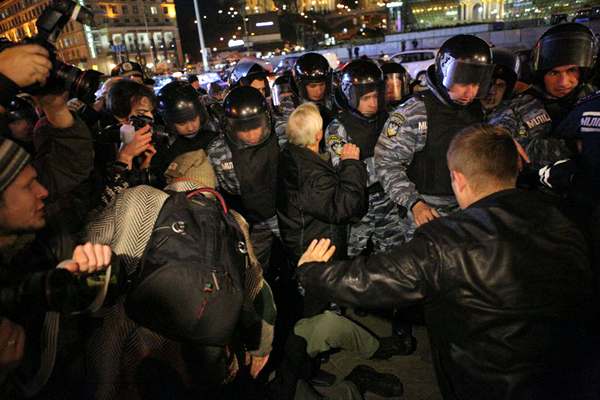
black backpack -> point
(190, 286)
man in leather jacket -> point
(506, 282)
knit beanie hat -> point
(13, 158)
(193, 166)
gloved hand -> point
(559, 175)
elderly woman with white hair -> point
(317, 200)
(314, 198)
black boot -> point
(320, 377)
(395, 346)
(295, 365)
(402, 329)
(367, 379)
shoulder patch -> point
(336, 143)
(394, 123)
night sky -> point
(213, 26)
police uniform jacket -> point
(532, 119)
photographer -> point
(132, 105)
(63, 147)
(23, 214)
(21, 66)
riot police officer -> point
(250, 73)
(361, 100)
(561, 61)
(186, 120)
(130, 70)
(311, 80)
(245, 163)
(397, 84)
(506, 71)
(410, 155)
(578, 179)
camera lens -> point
(80, 84)
(86, 85)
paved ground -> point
(415, 371)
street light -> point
(201, 37)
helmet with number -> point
(247, 71)
(507, 67)
(21, 108)
(397, 82)
(464, 59)
(564, 44)
(128, 69)
(358, 78)
(178, 102)
(311, 68)
(247, 117)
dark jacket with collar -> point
(505, 283)
(316, 200)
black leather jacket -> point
(506, 286)
(316, 200)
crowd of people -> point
(208, 244)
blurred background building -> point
(138, 30)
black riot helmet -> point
(464, 59)
(360, 77)
(311, 68)
(507, 66)
(128, 69)
(178, 102)
(247, 71)
(281, 89)
(247, 117)
(21, 108)
(564, 44)
(397, 82)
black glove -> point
(558, 176)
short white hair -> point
(303, 125)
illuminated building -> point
(138, 30)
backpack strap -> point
(213, 192)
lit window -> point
(153, 10)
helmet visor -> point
(396, 87)
(468, 73)
(249, 132)
(558, 50)
(280, 91)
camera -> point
(63, 77)
(158, 132)
(61, 291)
